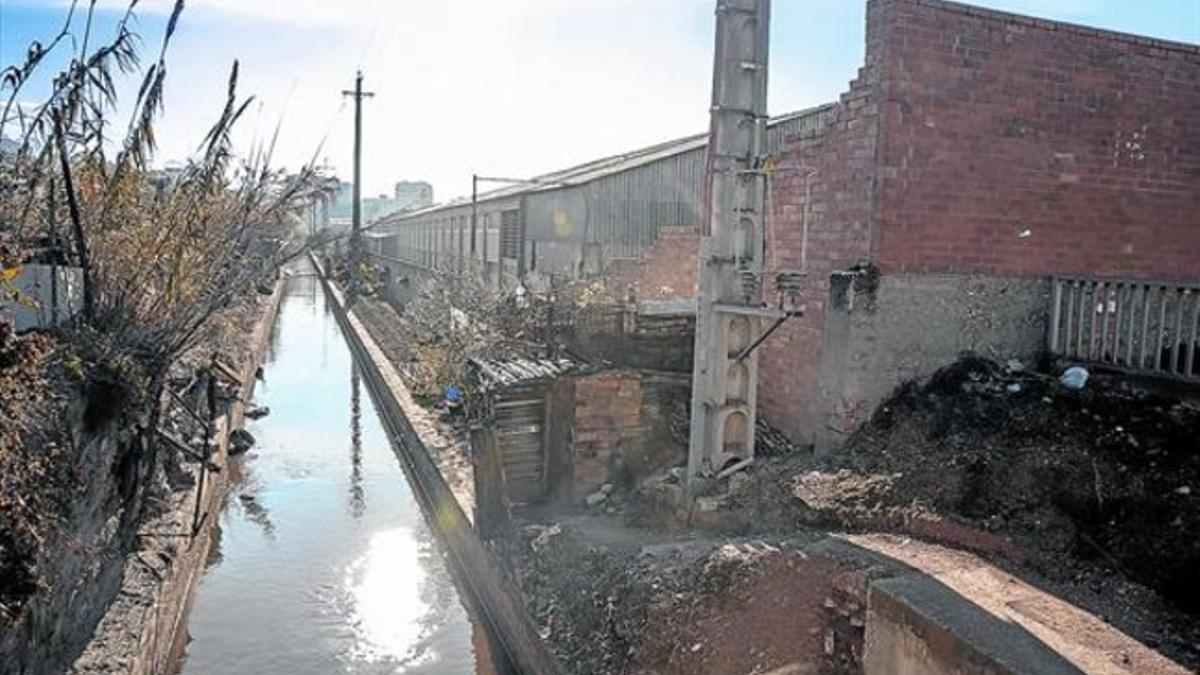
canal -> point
(323, 562)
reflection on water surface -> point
(325, 564)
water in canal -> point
(323, 562)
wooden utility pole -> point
(356, 244)
(81, 244)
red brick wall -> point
(606, 426)
(835, 172)
(1020, 147)
(621, 427)
(972, 142)
(977, 142)
(669, 269)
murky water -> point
(324, 563)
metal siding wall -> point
(625, 210)
(628, 208)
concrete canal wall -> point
(494, 597)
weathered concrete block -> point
(918, 626)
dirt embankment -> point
(1092, 493)
(1107, 475)
(1087, 494)
(621, 601)
(70, 533)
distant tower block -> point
(413, 194)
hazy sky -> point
(500, 87)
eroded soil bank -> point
(103, 564)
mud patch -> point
(680, 605)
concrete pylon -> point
(729, 309)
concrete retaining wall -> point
(917, 626)
(935, 610)
(403, 278)
(903, 327)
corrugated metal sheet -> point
(627, 198)
(508, 372)
(628, 207)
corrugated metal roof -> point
(514, 371)
(600, 168)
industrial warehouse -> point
(568, 223)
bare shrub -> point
(162, 254)
(452, 317)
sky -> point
(495, 87)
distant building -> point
(414, 194)
(409, 195)
(164, 179)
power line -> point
(328, 130)
(371, 37)
(376, 52)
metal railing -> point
(1144, 326)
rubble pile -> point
(660, 607)
(1106, 474)
(609, 608)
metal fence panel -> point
(1144, 326)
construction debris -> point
(644, 604)
(1093, 484)
(1075, 378)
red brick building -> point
(976, 154)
